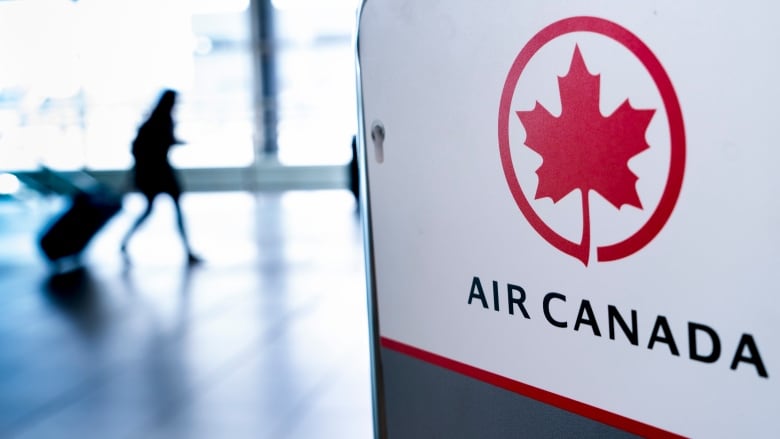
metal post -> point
(265, 90)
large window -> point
(78, 77)
(316, 67)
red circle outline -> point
(671, 192)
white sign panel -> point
(578, 202)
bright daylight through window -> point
(77, 78)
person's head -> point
(165, 103)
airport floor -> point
(268, 338)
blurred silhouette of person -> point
(354, 173)
(152, 172)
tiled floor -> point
(267, 339)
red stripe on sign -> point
(532, 392)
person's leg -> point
(140, 220)
(191, 257)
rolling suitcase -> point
(92, 206)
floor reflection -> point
(269, 340)
(77, 295)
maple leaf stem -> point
(585, 243)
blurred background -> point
(267, 338)
(79, 76)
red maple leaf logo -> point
(582, 149)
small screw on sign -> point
(378, 137)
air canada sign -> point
(597, 135)
(575, 203)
